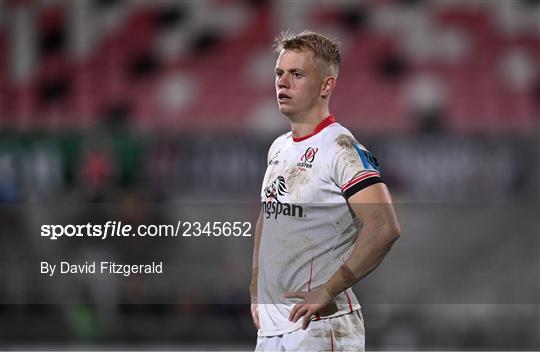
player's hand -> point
(255, 315)
(312, 302)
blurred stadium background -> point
(153, 104)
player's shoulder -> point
(338, 136)
(343, 146)
(336, 129)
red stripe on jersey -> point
(331, 341)
(310, 273)
(358, 179)
(349, 300)
(330, 119)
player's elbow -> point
(395, 232)
(392, 230)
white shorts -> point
(342, 333)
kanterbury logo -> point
(274, 207)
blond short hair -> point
(325, 50)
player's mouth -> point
(283, 98)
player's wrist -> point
(343, 279)
(327, 296)
(331, 290)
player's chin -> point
(285, 108)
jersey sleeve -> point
(352, 166)
(274, 147)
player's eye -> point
(297, 74)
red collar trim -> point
(327, 121)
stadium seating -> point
(141, 55)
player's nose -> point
(283, 81)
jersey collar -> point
(330, 119)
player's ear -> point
(328, 86)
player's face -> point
(298, 82)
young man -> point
(327, 218)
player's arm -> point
(255, 272)
(373, 206)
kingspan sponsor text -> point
(277, 208)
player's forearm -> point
(372, 245)
(253, 288)
(255, 265)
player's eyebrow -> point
(290, 70)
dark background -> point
(147, 111)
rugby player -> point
(327, 218)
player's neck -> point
(304, 125)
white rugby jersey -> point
(308, 228)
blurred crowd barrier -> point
(115, 165)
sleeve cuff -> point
(360, 182)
